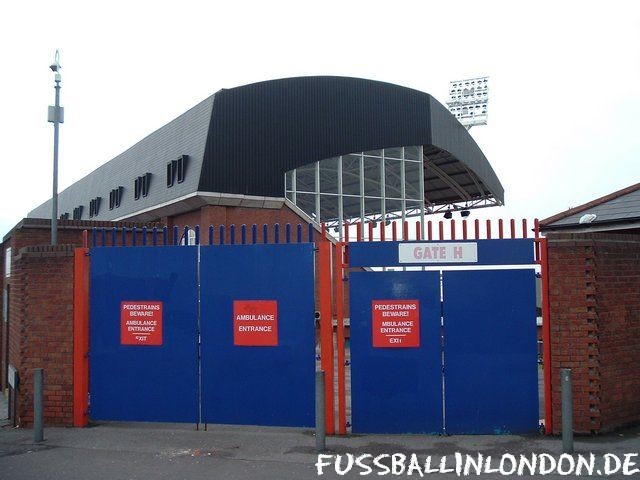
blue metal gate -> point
(270, 382)
(477, 346)
(396, 390)
(211, 334)
(491, 381)
(137, 381)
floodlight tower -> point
(468, 100)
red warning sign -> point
(255, 322)
(141, 323)
(395, 323)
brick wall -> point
(618, 307)
(41, 330)
(238, 216)
(594, 293)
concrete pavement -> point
(116, 451)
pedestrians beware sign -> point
(395, 323)
(140, 323)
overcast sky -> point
(564, 80)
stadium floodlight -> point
(468, 101)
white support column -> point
(403, 190)
(340, 202)
(294, 186)
(317, 178)
(362, 216)
(422, 227)
(383, 197)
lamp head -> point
(55, 66)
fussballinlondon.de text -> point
(464, 465)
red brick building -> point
(594, 298)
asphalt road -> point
(117, 451)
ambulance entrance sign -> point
(255, 323)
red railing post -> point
(405, 230)
(512, 225)
(326, 327)
(394, 232)
(500, 229)
(453, 229)
(476, 225)
(488, 229)
(81, 336)
(464, 229)
(338, 276)
(546, 335)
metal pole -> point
(567, 410)
(54, 202)
(38, 405)
(320, 418)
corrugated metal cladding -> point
(262, 130)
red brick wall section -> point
(594, 293)
(42, 330)
(618, 306)
(227, 216)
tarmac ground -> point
(114, 451)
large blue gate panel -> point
(258, 385)
(491, 382)
(396, 390)
(144, 382)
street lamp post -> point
(56, 116)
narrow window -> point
(146, 184)
(171, 173)
(182, 168)
(137, 187)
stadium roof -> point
(238, 143)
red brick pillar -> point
(41, 330)
(574, 329)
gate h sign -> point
(450, 252)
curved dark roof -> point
(240, 141)
(259, 131)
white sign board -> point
(7, 262)
(450, 252)
(12, 374)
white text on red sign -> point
(395, 323)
